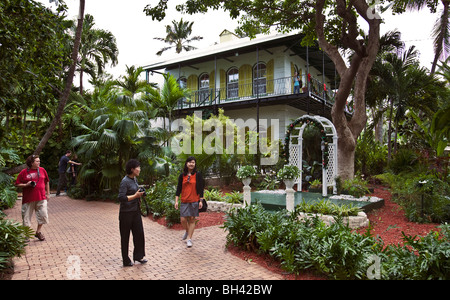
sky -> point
(134, 31)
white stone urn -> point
(246, 181)
(289, 183)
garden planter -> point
(246, 181)
(289, 183)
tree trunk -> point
(81, 82)
(379, 130)
(389, 139)
(24, 126)
(65, 94)
(395, 137)
(357, 73)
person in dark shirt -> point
(130, 218)
(73, 171)
(62, 167)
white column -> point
(290, 199)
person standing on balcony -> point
(297, 83)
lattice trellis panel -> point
(294, 158)
(295, 149)
(331, 165)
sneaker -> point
(189, 243)
(40, 236)
(184, 236)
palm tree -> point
(167, 99)
(406, 85)
(444, 70)
(116, 128)
(178, 36)
(376, 96)
(98, 48)
(441, 29)
(131, 84)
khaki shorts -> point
(41, 212)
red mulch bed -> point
(387, 222)
(205, 219)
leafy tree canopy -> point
(32, 48)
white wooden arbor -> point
(329, 142)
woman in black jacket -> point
(190, 189)
(130, 214)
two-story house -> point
(253, 78)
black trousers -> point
(62, 183)
(131, 222)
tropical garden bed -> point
(338, 252)
(388, 223)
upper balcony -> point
(248, 73)
(313, 97)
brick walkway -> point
(83, 242)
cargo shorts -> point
(40, 207)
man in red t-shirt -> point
(35, 186)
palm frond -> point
(441, 34)
(108, 139)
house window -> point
(203, 93)
(259, 78)
(204, 81)
(233, 83)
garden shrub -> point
(356, 187)
(404, 160)
(213, 195)
(336, 250)
(8, 196)
(270, 182)
(13, 237)
(407, 192)
(371, 155)
(234, 197)
(76, 192)
(326, 207)
(160, 200)
(244, 224)
(419, 258)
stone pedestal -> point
(290, 199)
(247, 195)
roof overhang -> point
(316, 57)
